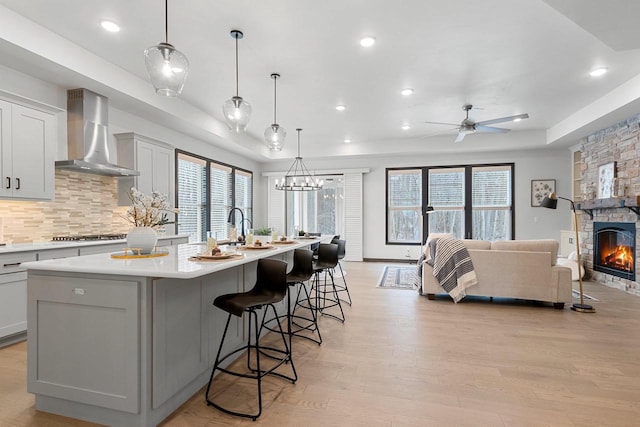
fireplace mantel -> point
(631, 203)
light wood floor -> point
(402, 360)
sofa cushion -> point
(541, 245)
(477, 244)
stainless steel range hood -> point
(87, 136)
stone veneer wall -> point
(619, 143)
(83, 204)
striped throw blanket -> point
(452, 266)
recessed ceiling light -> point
(347, 140)
(598, 72)
(407, 91)
(517, 120)
(340, 107)
(110, 26)
(367, 41)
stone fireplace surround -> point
(619, 143)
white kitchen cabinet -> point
(27, 150)
(13, 293)
(153, 159)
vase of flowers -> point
(146, 213)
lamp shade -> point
(274, 137)
(167, 68)
(550, 201)
(237, 113)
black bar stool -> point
(300, 273)
(270, 288)
(326, 263)
(342, 244)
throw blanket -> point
(452, 266)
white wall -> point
(530, 222)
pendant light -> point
(274, 135)
(167, 67)
(298, 177)
(236, 110)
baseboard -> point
(12, 339)
(395, 261)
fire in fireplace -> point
(615, 248)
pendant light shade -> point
(167, 67)
(298, 177)
(237, 111)
(274, 135)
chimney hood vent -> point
(87, 136)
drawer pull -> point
(78, 291)
(13, 264)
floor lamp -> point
(551, 202)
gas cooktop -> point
(77, 237)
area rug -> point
(398, 277)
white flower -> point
(148, 211)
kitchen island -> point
(125, 342)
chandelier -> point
(298, 177)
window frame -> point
(208, 163)
(388, 210)
(468, 209)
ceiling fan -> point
(468, 126)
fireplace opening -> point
(615, 248)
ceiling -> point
(506, 57)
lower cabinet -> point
(13, 303)
(88, 332)
(13, 293)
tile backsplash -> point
(83, 204)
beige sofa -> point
(524, 269)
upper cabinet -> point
(27, 150)
(153, 159)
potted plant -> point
(146, 213)
(264, 231)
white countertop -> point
(38, 246)
(175, 265)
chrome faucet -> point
(232, 220)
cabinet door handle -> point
(13, 264)
(18, 183)
(8, 182)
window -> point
(446, 191)
(469, 202)
(492, 202)
(319, 211)
(220, 191)
(191, 193)
(206, 192)
(404, 205)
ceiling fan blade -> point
(460, 137)
(480, 128)
(503, 119)
(440, 123)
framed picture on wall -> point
(541, 188)
(606, 176)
